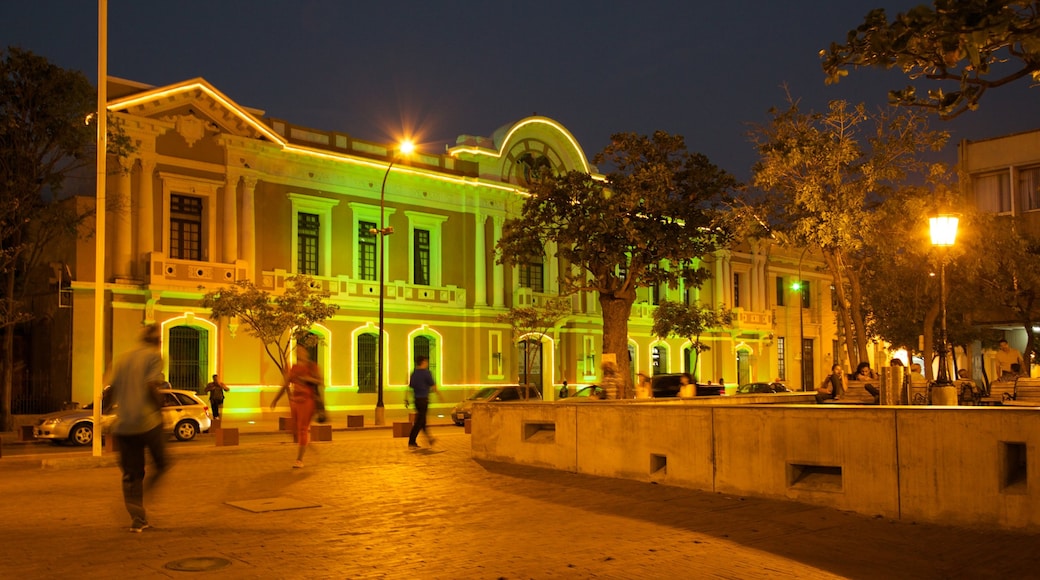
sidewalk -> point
(383, 511)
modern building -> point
(217, 192)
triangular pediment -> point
(195, 106)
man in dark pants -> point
(135, 388)
(421, 382)
(216, 390)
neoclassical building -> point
(216, 192)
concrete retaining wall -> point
(949, 465)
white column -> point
(231, 219)
(499, 272)
(552, 279)
(146, 211)
(480, 285)
(122, 244)
(248, 222)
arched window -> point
(426, 346)
(367, 347)
(188, 355)
(659, 359)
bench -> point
(1026, 394)
(856, 394)
(999, 392)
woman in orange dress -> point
(301, 383)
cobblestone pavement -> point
(388, 512)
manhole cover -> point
(272, 504)
(198, 564)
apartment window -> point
(655, 294)
(308, 228)
(781, 358)
(1029, 188)
(993, 192)
(806, 303)
(425, 251)
(185, 227)
(781, 291)
(659, 359)
(532, 275)
(366, 251)
(736, 290)
(311, 245)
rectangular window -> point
(993, 192)
(805, 295)
(422, 257)
(736, 290)
(532, 275)
(308, 226)
(185, 227)
(1029, 188)
(781, 358)
(366, 250)
(780, 290)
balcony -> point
(344, 288)
(748, 320)
(165, 271)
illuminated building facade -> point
(216, 192)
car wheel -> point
(81, 434)
(186, 430)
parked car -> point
(593, 392)
(759, 388)
(184, 415)
(461, 412)
(667, 385)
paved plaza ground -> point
(384, 511)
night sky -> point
(704, 70)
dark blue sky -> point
(704, 70)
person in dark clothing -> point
(833, 387)
(421, 382)
(216, 391)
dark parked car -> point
(667, 385)
(461, 412)
(759, 388)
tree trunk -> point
(7, 380)
(859, 324)
(848, 331)
(616, 311)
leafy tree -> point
(690, 321)
(823, 176)
(973, 45)
(648, 222)
(276, 321)
(534, 323)
(43, 141)
(1001, 262)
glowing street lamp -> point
(944, 234)
(404, 149)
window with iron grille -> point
(806, 295)
(426, 346)
(781, 356)
(367, 349)
(308, 226)
(421, 276)
(367, 250)
(532, 276)
(659, 359)
(188, 350)
(781, 291)
(736, 290)
(185, 227)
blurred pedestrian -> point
(216, 390)
(421, 382)
(612, 381)
(301, 384)
(136, 381)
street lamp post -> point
(406, 147)
(944, 233)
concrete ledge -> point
(227, 436)
(25, 433)
(355, 421)
(321, 432)
(949, 465)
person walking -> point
(301, 384)
(421, 382)
(216, 390)
(135, 385)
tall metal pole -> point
(944, 232)
(99, 235)
(943, 377)
(382, 233)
